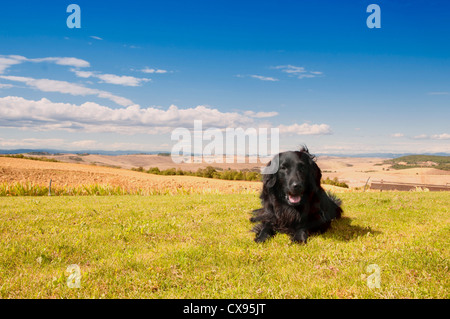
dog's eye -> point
(282, 167)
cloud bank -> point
(46, 85)
(45, 115)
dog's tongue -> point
(294, 199)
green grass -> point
(412, 161)
(334, 182)
(199, 246)
(30, 189)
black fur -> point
(293, 200)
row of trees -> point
(208, 172)
(211, 172)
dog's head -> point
(297, 175)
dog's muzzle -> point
(293, 199)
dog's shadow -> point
(342, 229)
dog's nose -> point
(296, 186)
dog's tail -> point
(332, 206)
(334, 198)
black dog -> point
(293, 201)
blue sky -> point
(136, 70)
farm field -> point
(199, 246)
(352, 170)
(15, 170)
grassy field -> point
(199, 246)
(411, 161)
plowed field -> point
(14, 170)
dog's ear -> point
(316, 173)
(315, 170)
(269, 180)
(270, 172)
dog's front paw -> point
(261, 239)
(262, 236)
(263, 232)
(301, 236)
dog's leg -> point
(318, 223)
(324, 227)
(263, 232)
(300, 236)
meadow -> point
(199, 246)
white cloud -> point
(264, 78)
(305, 129)
(121, 80)
(5, 86)
(306, 76)
(397, 135)
(260, 115)
(82, 74)
(111, 78)
(259, 77)
(9, 60)
(92, 117)
(47, 85)
(291, 69)
(79, 63)
(415, 147)
(45, 115)
(131, 46)
(39, 143)
(95, 37)
(151, 71)
(298, 71)
(30, 142)
(6, 62)
(443, 136)
(84, 144)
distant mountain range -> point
(131, 152)
(54, 152)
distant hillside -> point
(412, 161)
(58, 152)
